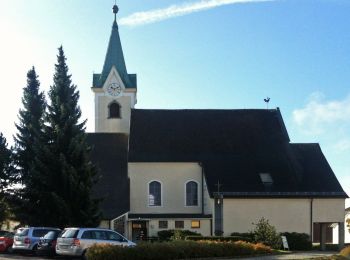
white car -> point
(75, 241)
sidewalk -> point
(294, 255)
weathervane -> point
(267, 100)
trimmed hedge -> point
(176, 250)
(298, 241)
(222, 239)
(171, 234)
(345, 251)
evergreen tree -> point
(30, 125)
(63, 175)
(29, 136)
(5, 176)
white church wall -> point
(287, 215)
(173, 177)
(208, 202)
(328, 210)
(290, 215)
(103, 124)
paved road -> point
(289, 256)
(296, 255)
(28, 257)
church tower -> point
(114, 89)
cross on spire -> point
(219, 185)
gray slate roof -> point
(234, 147)
(109, 153)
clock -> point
(114, 89)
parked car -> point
(75, 241)
(47, 243)
(27, 239)
(6, 241)
(4, 232)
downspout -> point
(202, 188)
(311, 219)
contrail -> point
(157, 15)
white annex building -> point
(210, 171)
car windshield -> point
(9, 235)
(70, 233)
(3, 233)
(21, 232)
(51, 235)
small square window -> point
(179, 224)
(195, 224)
(163, 224)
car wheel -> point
(35, 250)
(84, 256)
(9, 250)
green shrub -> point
(248, 235)
(222, 239)
(176, 250)
(182, 234)
(298, 241)
(167, 235)
(265, 233)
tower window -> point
(114, 110)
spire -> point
(114, 56)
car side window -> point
(88, 235)
(100, 235)
(114, 236)
(40, 232)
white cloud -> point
(319, 114)
(157, 15)
(342, 145)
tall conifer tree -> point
(27, 139)
(30, 126)
(63, 173)
(5, 176)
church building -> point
(211, 171)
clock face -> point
(114, 89)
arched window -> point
(114, 110)
(191, 193)
(155, 193)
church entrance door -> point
(139, 230)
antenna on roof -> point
(267, 100)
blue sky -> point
(198, 54)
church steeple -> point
(115, 90)
(115, 57)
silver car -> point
(27, 239)
(75, 241)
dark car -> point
(47, 243)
